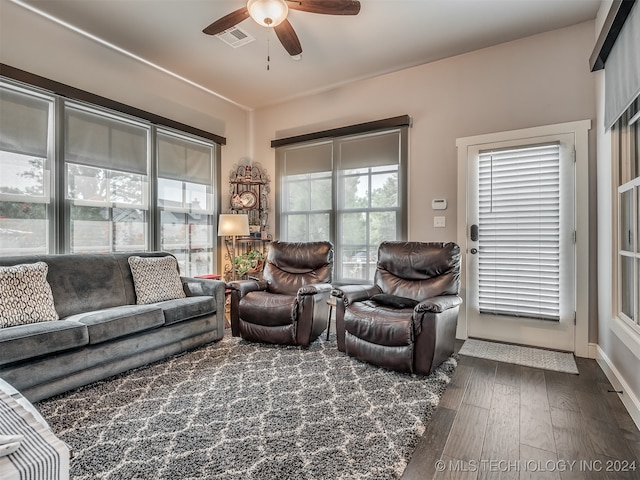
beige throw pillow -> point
(25, 295)
(156, 279)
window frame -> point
(49, 172)
(284, 215)
(59, 205)
(210, 210)
(338, 209)
(369, 247)
(103, 115)
(625, 156)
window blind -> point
(99, 141)
(184, 160)
(375, 150)
(307, 159)
(622, 69)
(519, 232)
(24, 123)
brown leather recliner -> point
(407, 320)
(289, 305)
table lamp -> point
(232, 225)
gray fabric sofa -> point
(101, 330)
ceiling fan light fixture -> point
(268, 13)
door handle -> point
(474, 233)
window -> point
(185, 201)
(107, 189)
(306, 195)
(625, 136)
(368, 201)
(348, 190)
(25, 172)
(103, 182)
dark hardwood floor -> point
(503, 421)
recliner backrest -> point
(291, 265)
(418, 270)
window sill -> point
(627, 335)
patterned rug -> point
(237, 410)
(530, 357)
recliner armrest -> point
(355, 293)
(246, 286)
(195, 287)
(314, 289)
(438, 304)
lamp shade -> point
(268, 13)
(231, 224)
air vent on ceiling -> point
(236, 37)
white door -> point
(520, 261)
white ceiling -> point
(387, 35)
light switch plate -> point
(439, 221)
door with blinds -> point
(521, 242)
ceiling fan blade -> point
(327, 7)
(287, 36)
(226, 22)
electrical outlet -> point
(439, 221)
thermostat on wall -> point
(439, 204)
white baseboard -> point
(628, 397)
(592, 349)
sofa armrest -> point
(435, 331)
(239, 289)
(355, 293)
(345, 296)
(195, 287)
(242, 287)
(311, 312)
(314, 289)
(438, 304)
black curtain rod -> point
(393, 122)
(616, 17)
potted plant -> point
(250, 262)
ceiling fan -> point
(273, 13)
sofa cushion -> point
(156, 279)
(380, 325)
(25, 295)
(185, 308)
(28, 341)
(117, 322)
(264, 308)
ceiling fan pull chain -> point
(268, 48)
